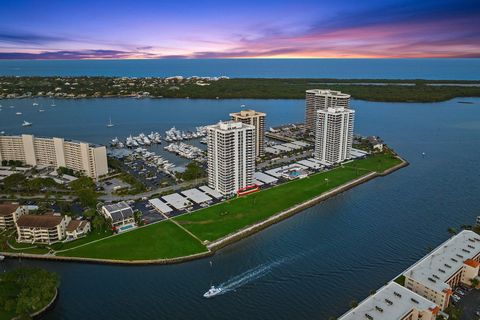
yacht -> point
(212, 292)
(26, 124)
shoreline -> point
(238, 235)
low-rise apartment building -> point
(455, 261)
(9, 214)
(47, 228)
(393, 302)
(83, 157)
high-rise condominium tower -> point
(231, 156)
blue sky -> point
(227, 29)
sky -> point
(148, 29)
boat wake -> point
(248, 276)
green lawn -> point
(92, 236)
(5, 315)
(220, 220)
(157, 241)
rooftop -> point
(75, 224)
(247, 113)
(231, 125)
(328, 92)
(160, 206)
(49, 220)
(8, 208)
(119, 211)
(438, 266)
(196, 195)
(176, 200)
(392, 302)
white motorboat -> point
(18, 113)
(26, 124)
(2, 258)
(212, 292)
(35, 104)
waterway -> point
(433, 69)
(309, 266)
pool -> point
(126, 227)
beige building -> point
(393, 302)
(320, 99)
(56, 152)
(47, 228)
(455, 261)
(77, 229)
(334, 135)
(9, 214)
(256, 119)
(231, 156)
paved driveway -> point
(469, 304)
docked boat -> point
(212, 292)
(26, 124)
(2, 258)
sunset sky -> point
(239, 29)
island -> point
(238, 88)
(27, 292)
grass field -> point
(157, 241)
(167, 240)
(220, 220)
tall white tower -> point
(322, 99)
(334, 134)
(231, 156)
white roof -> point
(196, 195)
(160, 206)
(292, 145)
(210, 191)
(257, 182)
(281, 147)
(310, 164)
(272, 150)
(176, 200)
(301, 143)
(314, 160)
(392, 302)
(434, 269)
(264, 177)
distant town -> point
(222, 87)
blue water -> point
(448, 69)
(311, 265)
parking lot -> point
(470, 304)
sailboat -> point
(110, 124)
(53, 104)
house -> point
(9, 214)
(77, 229)
(47, 228)
(120, 214)
(375, 143)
